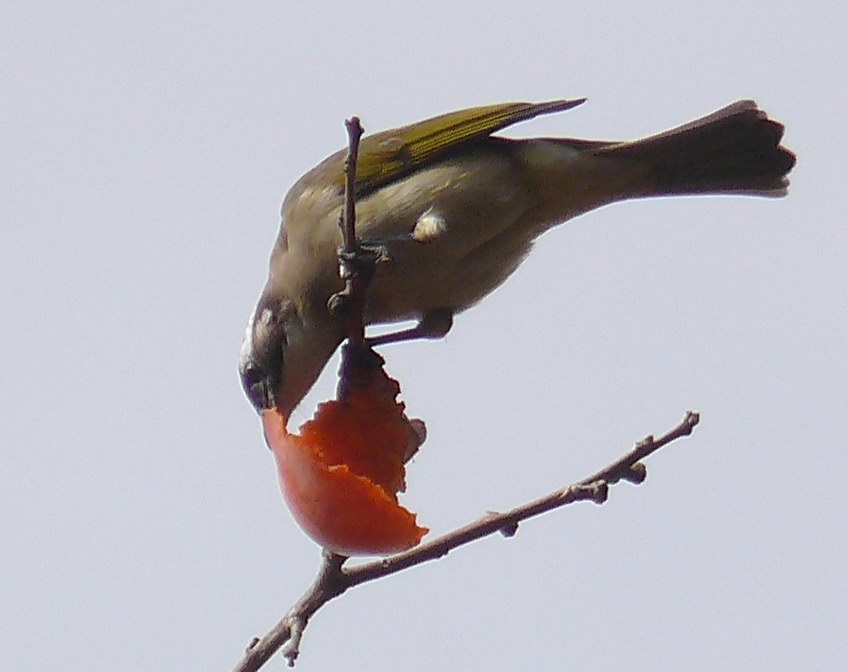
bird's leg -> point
(363, 263)
(435, 324)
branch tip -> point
(691, 420)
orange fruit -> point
(341, 476)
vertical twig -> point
(351, 267)
(348, 219)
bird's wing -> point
(391, 155)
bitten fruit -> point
(341, 476)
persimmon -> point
(341, 476)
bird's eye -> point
(251, 375)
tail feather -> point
(735, 150)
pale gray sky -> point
(146, 151)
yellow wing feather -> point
(390, 155)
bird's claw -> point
(363, 261)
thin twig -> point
(348, 223)
(334, 579)
(353, 267)
(594, 488)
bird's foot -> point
(363, 261)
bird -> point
(457, 209)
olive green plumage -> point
(458, 209)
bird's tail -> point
(735, 150)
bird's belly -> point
(413, 285)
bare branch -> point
(348, 219)
(356, 265)
(334, 579)
(592, 488)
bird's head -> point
(283, 353)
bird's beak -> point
(258, 380)
(259, 386)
